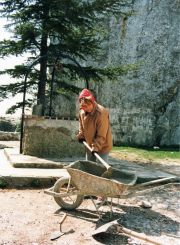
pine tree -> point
(75, 31)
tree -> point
(75, 29)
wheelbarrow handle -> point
(97, 156)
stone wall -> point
(144, 104)
(9, 136)
(51, 138)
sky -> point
(9, 62)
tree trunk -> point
(43, 64)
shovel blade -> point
(55, 235)
(105, 228)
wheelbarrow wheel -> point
(69, 202)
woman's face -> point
(86, 105)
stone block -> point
(51, 138)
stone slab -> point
(18, 160)
(25, 161)
(46, 177)
(144, 173)
(11, 177)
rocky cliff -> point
(144, 104)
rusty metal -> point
(86, 177)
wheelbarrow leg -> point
(98, 206)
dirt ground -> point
(30, 217)
(171, 166)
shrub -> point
(7, 126)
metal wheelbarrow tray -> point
(85, 180)
(86, 176)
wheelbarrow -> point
(85, 179)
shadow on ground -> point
(137, 219)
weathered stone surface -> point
(9, 136)
(144, 104)
(51, 138)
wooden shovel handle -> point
(97, 156)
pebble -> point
(146, 204)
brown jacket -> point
(95, 128)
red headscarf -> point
(85, 93)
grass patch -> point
(150, 153)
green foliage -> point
(13, 108)
(76, 31)
(7, 125)
(3, 183)
(18, 127)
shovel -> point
(114, 227)
(55, 235)
(108, 172)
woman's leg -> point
(104, 156)
(91, 157)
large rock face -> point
(144, 104)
